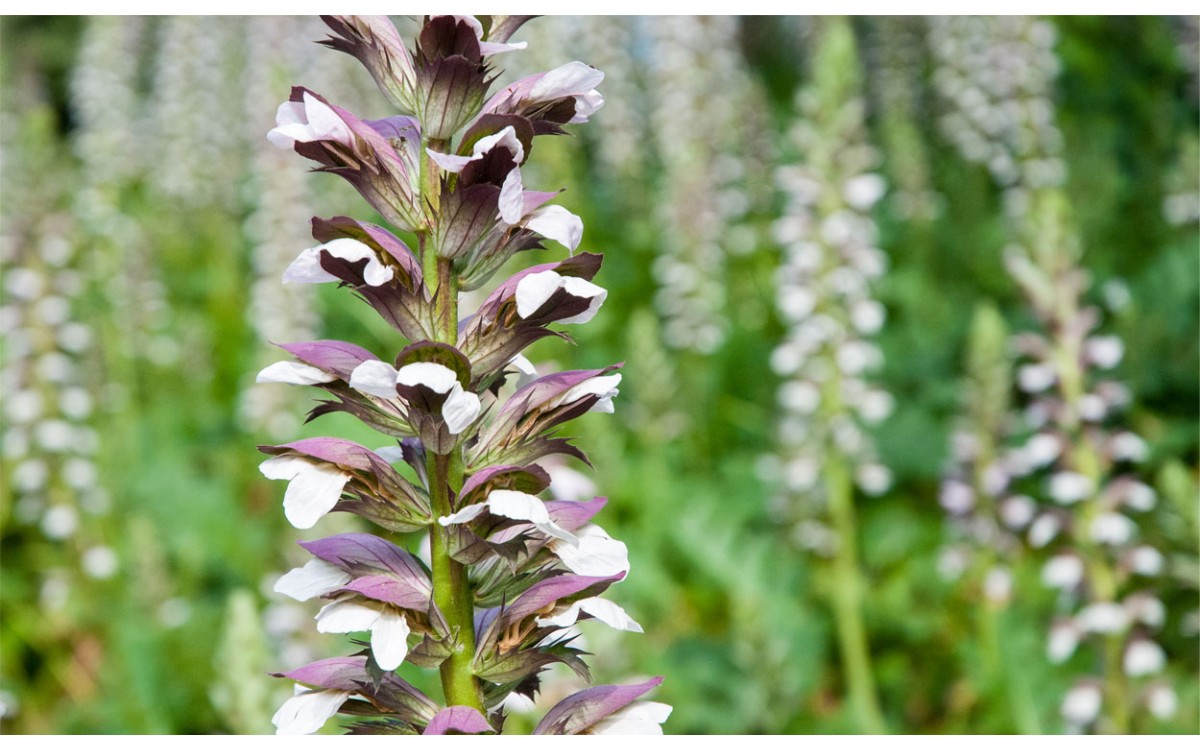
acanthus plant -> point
(1092, 514)
(509, 573)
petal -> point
(512, 198)
(460, 409)
(294, 373)
(464, 515)
(601, 609)
(506, 138)
(306, 269)
(521, 506)
(307, 712)
(577, 287)
(325, 123)
(558, 224)
(566, 80)
(389, 639)
(638, 718)
(346, 616)
(351, 250)
(495, 48)
(604, 386)
(374, 377)
(534, 289)
(435, 377)
(312, 491)
(586, 105)
(596, 555)
(289, 122)
(316, 578)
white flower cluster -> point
(997, 74)
(695, 69)
(824, 296)
(190, 113)
(48, 445)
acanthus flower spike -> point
(509, 573)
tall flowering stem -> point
(508, 574)
(824, 296)
(1069, 450)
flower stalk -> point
(508, 574)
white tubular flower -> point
(518, 506)
(603, 610)
(1064, 638)
(1082, 704)
(307, 121)
(1068, 487)
(604, 386)
(307, 712)
(535, 289)
(294, 373)
(1112, 528)
(506, 138)
(1063, 572)
(461, 407)
(312, 491)
(1144, 657)
(389, 630)
(596, 554)
(306, 269)
(315, 578)
(645, 717)
(375, 378)
(1103, 617)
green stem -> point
(847, 601)
(452, 589)
(452, 592)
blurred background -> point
(760, 187)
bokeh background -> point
(146, 222)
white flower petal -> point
(306, 269)
(435, 377)
(374, 377)
(495, 48)
(524, 507)
(294, 373)
(577, 287)
(534, 289)
(506, 138)
(602, 609)
(324, 122)
(460, 409)
(316, 578)
(512, 200)
(375, 273)
(289, 121)
(346, 616)
(464, 515)
(389, 639)
(307, 712)
(644, 717)
(558, 224)
(570, 79)
(604, 386)
(596, 555)
(524, 366)
(586, 105)
(312, 491)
